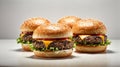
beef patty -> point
(92, 39)
(56, 44)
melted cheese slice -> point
(21, 35)
(47, 42)
(102, 37)
(83, 36)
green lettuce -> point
(19, 40)
(32, 47)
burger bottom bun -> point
(26, 47)
(90, 49)
(53, 54)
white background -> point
(14, 12)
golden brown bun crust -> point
(69, 20)
(53, 54)
(52, 31)
(26, 47)
(32, 23)
(89, 26)
(90, 49)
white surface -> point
(14, 12)
(12, 55)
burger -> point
(52, 40)
(69, 20)
(27, 29)
(90, 36)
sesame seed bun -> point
(90, 49)
(32, 23)
(69, 20)
(89, 26)
(53, 54)
(52, 31)
(26, 47)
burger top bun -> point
(89, 26)
(69, 20)
(52, 31)
(32, 23)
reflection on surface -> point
(35, 57)
(106, 52)
(110, 51)
(20, 50)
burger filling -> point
(25, 38)
(91, 40)
(51, 45)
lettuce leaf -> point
(19, 40)
(71, 38)
(32, 47)
(53, 49)
(74, 45)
